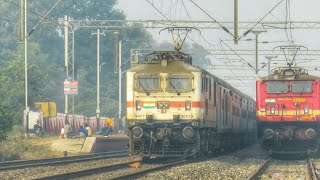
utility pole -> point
(116, 65)
(66, 63)
(257, 41)
(98, 78)
(120, 76)
(236, 33)
(26, 122)
(269, 61)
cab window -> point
(301, 86)
(179, 83)
(147, 83)
(277, 87)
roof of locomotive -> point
(175, 61)
(289, 73)
(165, 61)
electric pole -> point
(257, 41)
(98, 78)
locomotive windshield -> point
(179, 83)
(147, 83)
(277, 87)
(301, 86)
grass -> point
(16, 147)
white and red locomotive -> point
(177, 109)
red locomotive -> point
(288, 110)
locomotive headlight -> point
(306, 109)
(310, 133)
(188, 132)
(268, 133)
(188, 105)
(272, 110)
(137, 132)
(138, 105)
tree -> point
(12, 93)
(46, 43)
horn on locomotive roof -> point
(290, 52)
(179, 35)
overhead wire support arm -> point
(244, 34)
(222, 27)
(34, 27)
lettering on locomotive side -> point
(187, 116)
(143, 116)
(306, 117)
(284, 100)
(300, 100)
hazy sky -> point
(249, 10)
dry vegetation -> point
(19, 148)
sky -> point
(225, 53)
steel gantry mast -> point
(68, 66)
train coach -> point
(288, 111)
(175, 109)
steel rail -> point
(11, 165)
(150, 170)
(262, 168)
(312, 170)
(88, 172)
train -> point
(288, 111)
(177, 109)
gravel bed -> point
(237, 165)
(120, 172)
(31, 173)
(289, 169)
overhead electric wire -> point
(195, 26)
(223, 27)
(192, 39)
(34, 27)
(247, 63)
(244, 34)
(12, 3)
(239, 57)
(159, 12)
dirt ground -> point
(43, 147)
(57, 145)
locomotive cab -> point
(288, 110)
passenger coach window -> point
(277, 87)
(179, 83)
(146, 83)
(301, 86)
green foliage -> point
(5, 122)
(12, 95)
(46, 56)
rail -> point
(150, 170)
(257, 174)
(11, 165)
(312, 170)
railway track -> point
(114, 167)
(311, 170)
(11, 165)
